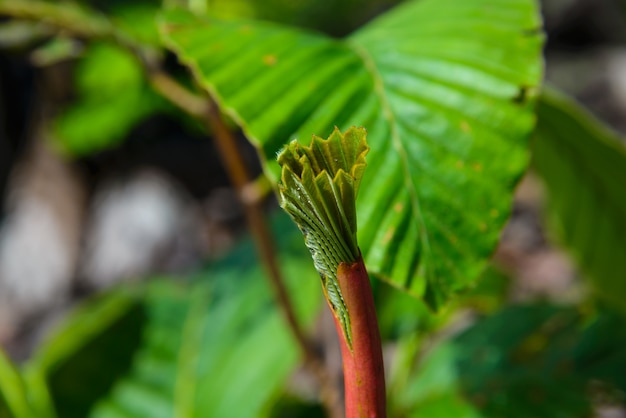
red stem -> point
(364, 374)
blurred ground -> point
(162, 203)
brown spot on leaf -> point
(269, 60)
(465, 127)
(477, 167)
(398, 207)
(388, 236)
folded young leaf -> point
(318, 189)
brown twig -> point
(178, 95)
(70, 17)
(238, 172)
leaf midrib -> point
(379, 89)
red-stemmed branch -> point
(364, 373)
(318, 188)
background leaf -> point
(432, 389)
(92, 349)
(214, 346)
(445, 91)
(13, 397)
(113, 97)
(583, 166)
(138, 20)
(534, 360)
(513, 362)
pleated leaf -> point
(318, 189)
(445, 90)
(583, 166)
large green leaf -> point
(214, 346)
(445, 90)
(583, 166)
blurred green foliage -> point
(112, 97)
(534, 360)
(451, 86)
(583, 165)
(138, 20)
(194, 347)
